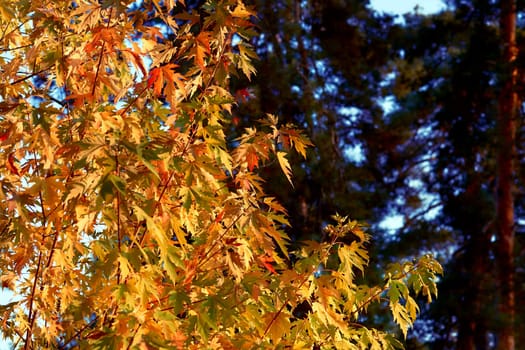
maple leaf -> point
(136, 59)
(4, 135)
(246, 54)
(179, 339)
(401, 317)
(11, 164)
(285, 166)
(242, 11)
(243, 95)
(267, 263)
(279, 323)
(165, 80)
(294, 138)
(6, 107)
(154, 76)
(202, 47)
(6, 12)
(251, 158)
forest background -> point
(405, 112)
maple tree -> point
(130, 220)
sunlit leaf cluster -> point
(129, 220)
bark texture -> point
(508, 104)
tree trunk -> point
(508, 104)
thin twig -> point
(207, 255)
(101, 56)
(133, 336)
(78, 333)
(305, 279)
(15, 48)
(31, 315)
(133, 101)
(31, 75)
(4, 34)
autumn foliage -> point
(129, 220)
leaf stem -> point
(207, 255)
(78, 333)
(101, 56)
(31, 75)
(305, 279)
(30, 314)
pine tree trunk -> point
(508, 104)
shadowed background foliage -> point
(404, 116)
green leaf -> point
(146, 156)
(178, 300)
(118, 183)
(398, 290)
(244, 60)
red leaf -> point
(243, 95)
(96, 334)
(4, 135)
(266, 261)
(153, 77)
(138, 61)
(219, 216)
(11, 164)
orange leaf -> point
(137, 59)
(154, 75)
(203, 39)
(6, 107)
(172, 77)
(153, 32)
(179, 338)
(165, 78)
(191, 271)
(253, 160)
(199, 56)
(202, 47)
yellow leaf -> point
(401, 317)
(279, 324)
(241, 11)
(6, 12)
(285, 166)
(181, 236)
(412, 308)
(125, 267)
